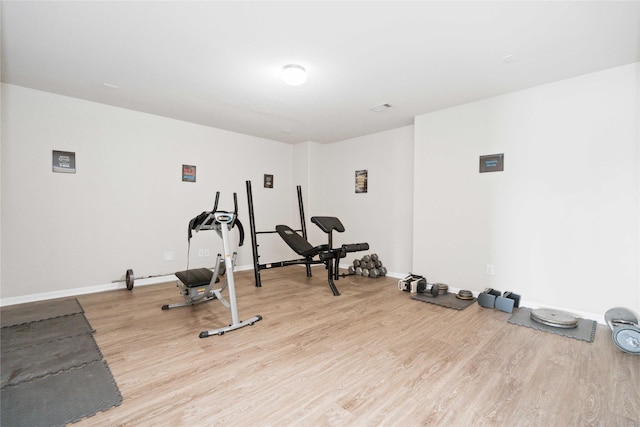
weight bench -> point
(327, 254)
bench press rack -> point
(326, 253)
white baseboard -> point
(171, 277)
(64, 293)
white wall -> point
(560, 224)
(126, 206)
(383, 216)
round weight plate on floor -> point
(554, 318)
(619, 315)
(627, 338)
(129, 279)
(464, 294)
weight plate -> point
(627, 339)
(129, 279)
(620, 315)
(464, 294)
(554, 318)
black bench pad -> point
(328, 223)
(298, 243)
(196, 277)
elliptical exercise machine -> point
(198, 285)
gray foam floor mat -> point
(34, 311)
(59, 399)
(448, 300)
(34, 333)
(37, 361)
(585, 331)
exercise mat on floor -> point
(59, 399)
(37, 361)
(585, 331)
(34, 311)
(448, 300)
(42, 331)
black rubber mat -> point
(585, 331)
(42, 331)
(59, 399)
(37, 361)
(34, 311)
(448, 300)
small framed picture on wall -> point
(361, 181)
(268, 181)
(188, 173)
(64, 161)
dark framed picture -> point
(361, 181)
(64, 161)
(268, 181)
(492, 163)
(188, 173)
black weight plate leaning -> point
(129, 279)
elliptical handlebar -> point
(208, 221)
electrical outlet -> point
(201, 252)
(490, 269)
(206, 252)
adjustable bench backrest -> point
(297, 242)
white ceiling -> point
(218, 63)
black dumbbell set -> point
(368, 266)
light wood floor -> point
(369, 357)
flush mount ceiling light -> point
(294, 74)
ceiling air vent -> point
(381, 107)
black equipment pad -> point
(585, 331)
(448, 300)
(297, 242)
(328, 223)
(34, 311)
(42, 331)
(28, 363)
(196, 277)
(62, 398)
